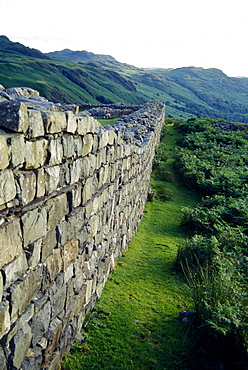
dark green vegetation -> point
(135, 323)
(213, 161)
(80, 76)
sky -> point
(157, 33)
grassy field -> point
(135, 323)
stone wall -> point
(72, 194)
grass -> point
(107, 121)
(135, 323)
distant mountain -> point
(80, 77)
(10, 48)
(80, 56)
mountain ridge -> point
(98, 78)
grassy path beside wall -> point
(135, 323)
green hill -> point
(80, 77)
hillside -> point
(79, 56)
(80, 76)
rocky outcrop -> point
(72, 194)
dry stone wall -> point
(72, 194)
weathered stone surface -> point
(17, 149)
(76, 170)
(87, 124)
(49, 244)
(34, 225)
(57, 208)
(54, 264)
(23, 292)
(69, 253)
(54, 121)
(68, 146)
(1, 286)
(27, 184)
(55, 149)
(22, 92)
(71, 122)
(87, 144)
(20, 345)
(36, 126)
(15, 269)
(36, 153)
(4, 153)
(40, 323)
(33, 253)
(10, 241)
(7, 186)
(52, 178)
(40, 183)
(87, 190)
(55, 362)
(4, 318)
(76, 195)
(53, 335)
(14, 116)
(104, 139)
(3, 360)
(26, 316)
(33, 359)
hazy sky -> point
(157, 33)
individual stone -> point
(94, 222)
(54, 264)
(76, 170)
(14, 115)
(10, 241)
(20, 344)
(23, 292)
(15, 269)
(69, 253)
(76, 195)
(36, 126)
(4, 318)
(71, 122)
(52, 178)
(87, 144)
(27, 184)
(104, 139)
(55, 150)
(33, 252)
(7, 186)
(4, 153)
(17, 148)
(49, 244)
(40, 183)
(57, 208)
(87, 124)
(54, 121)
(34, 225)
(40, 323)
(36, 153)
(68, 146)
(87, 190)
(53, 336)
